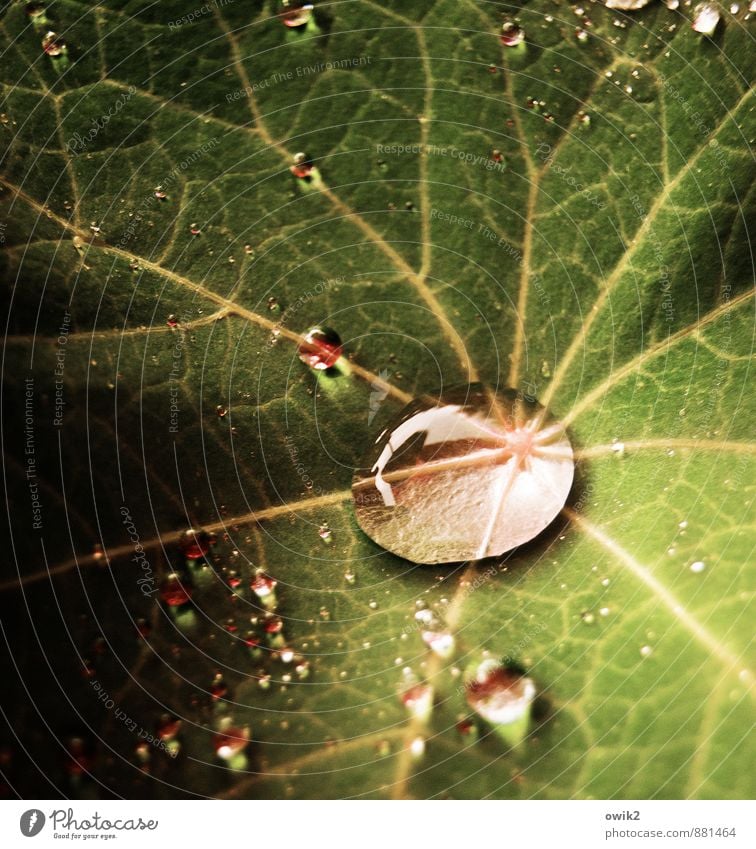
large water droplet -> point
(501, 695)
(512, 34)
(471, 476)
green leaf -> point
(604, 266)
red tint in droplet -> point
(302, 167)
(195, 544)
(231, 742)
(321, 348)
(174, 593)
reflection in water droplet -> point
(646, 651)
(464, 478)
(512, 34)
(264, 587)
(231, 743)
(54, 45)
(303, 167)
(321, 348)
(195, 544)
(502, 696)
(295, 13)
(698, 566)
(705, 18)
(435, 633)
(175, 593)
(416, 696)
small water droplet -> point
(264, 587)
(172, 321)
(231, 743)
(502, 696)
(325, 533)
(512, 34)
(303, 167)
(321, 348)
(588, 617)
(435, 633)
(174, 592)
(697, 566)
(221, 411)
(195, 229)
(646, 651)
(350, 577)
(705, 18)
(416, 696)
(195, 544)
(618, 448)
(417, 748)
(160, 193)
(373, 605)
(604, 611)
(682, 525)
(294, 13)
(53, 45)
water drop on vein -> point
(295, 14)
(512, 34)
(320, 348)
(435, 633)
(464, 479)
(503, 697)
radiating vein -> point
(698, 631)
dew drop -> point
(672, 4)
(350, 577)
(435, 633)
(373, 605)
(221, 411)
(53, 45)
(588, 617)
(464, 478)
(160, 193)
(325, 533)
(175, 593)
(705, 18)
(604, 611)
(698, 566)
(502, 696)
(581, 35)
(416, 696)
(172, 321)
(295, 14)
(646, 651)
(302, 166)
(321, 348)
(417, 748)
(231, 743)
(194, 544)
(512, 34)
(264, 587)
